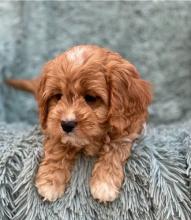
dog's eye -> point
(58, 96)
(90, 98)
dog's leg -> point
(108, 173)
(54, 171)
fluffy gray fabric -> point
(157, 183)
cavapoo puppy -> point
(90, 100)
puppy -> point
(90, 100)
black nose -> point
(68, 126)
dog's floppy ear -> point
(129, 96)
(42, 95)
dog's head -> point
(89, 93)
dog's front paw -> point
(49, 191)
(103, 191)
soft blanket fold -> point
(157, 182)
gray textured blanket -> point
(157, 183)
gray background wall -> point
(155, 36)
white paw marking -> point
(104, 191)
(50, 192)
